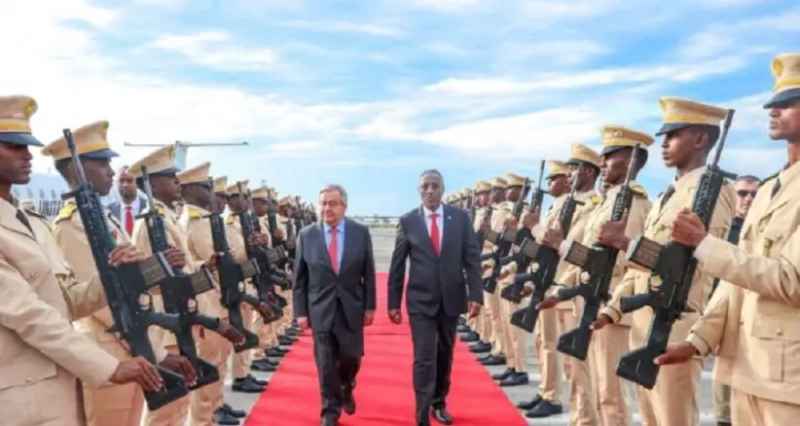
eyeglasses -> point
(742, 193)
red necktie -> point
(435, 233)
(129, 220)
(333, 251)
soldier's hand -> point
(369, 317)
(511, 223)
(677, 353)
(485, 227)
(688, 229)
(612, 234)
(138, 370)
(526, 291)
(212, 263)
(601, 321)
(125, 253)
(175, 257)
(182, 366)
(302, 322)
(278, 234)
(553, 238)
(395, 316)
(530, 218)
(474, 309)
(230, 333)
(547, 303)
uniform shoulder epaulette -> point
(768, 179)
(193, 212)
(638, 189)
(229, 219)
(596, 199)
(66, 212)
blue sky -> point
(368, 94)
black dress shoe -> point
(480, 347)
(462, 321)
(263, 366)
(247, 385)
(493, 360)
(258, 381)
(285, 341)
(239, 414)
(470, 337)
(274, 352)
(515, 379)
(268, 361)
(544, 409)
(462, 328)
(330, 421)
(504, 374)
(528, 405)
(223, 418)
(441, 415)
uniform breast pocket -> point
(774, 232)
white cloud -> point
(446, 5)
(218, 50)
(347, 27)
(589, 78)
(562, 52)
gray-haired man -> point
(334, 294)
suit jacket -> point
(436, 283)
(751, 320)
(318, 290)
(116, 208)
(40, 352)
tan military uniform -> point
(210, 346)
(581, 399)
(609, 343)
(40, 353)
(285, 322)
(546, 333)
(267, 333)
(109, 404)
(673, 400)
(479, 322)
(177, 411)
(241, 360)
(491, 301)
(515, 339)
(751, 321)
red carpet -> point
(384, 395)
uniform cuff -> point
(705, 248)
(612, 313)
(699, 344)
(562, 249)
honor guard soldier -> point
(481, 200)
(690, 131)
(207, 403)
(750, 322)
(41, 353)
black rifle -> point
(675, 265)
(126, 286)
(544, 265)
(505, 240)
(179, 292)
(231, 278)
(263, 257)
(513, 292)
(470, 206)
(598, 264)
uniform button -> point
(779, 332)
(28, 380)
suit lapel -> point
(422, 222)
(323, 246)
(446, 222)
(346, 255)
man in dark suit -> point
(130, 203)
(444, 276)
(334, 294)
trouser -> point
(605, 349)
(582, 410)
(673, 399)
(491, 308)
(750, 410)
(514, 338)
(434, 339)
(241, 360)
(337, 353)
(722, 401)
(114, 405)
(495, 317)
(547, 328)
(204, 401)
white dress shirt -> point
(439, 222)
